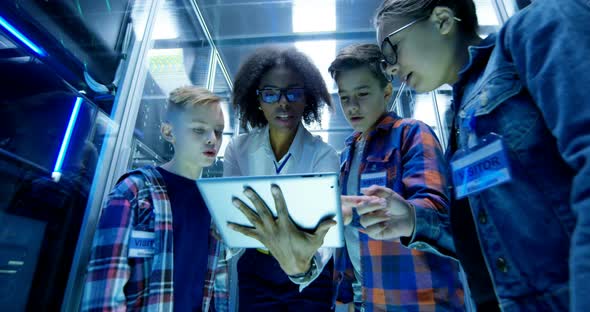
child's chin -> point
(358, 129)
(209, 162)
(206, 162)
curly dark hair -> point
(245, 100)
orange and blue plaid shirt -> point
(396, 278)
(116, 282)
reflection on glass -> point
(222, 89)
(143, 156)
(40, 217)
(167, 68)
(444, 99)
(422, 109)
(179, 57)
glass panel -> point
(48, 157)
(284, 23)
(85, 41)
(487, 17)
(5, 44)
(444, 98)
(334, 128)
(223, 90)
(180, 56)
(50, 140)
(422, 109)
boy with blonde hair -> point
(153, 248)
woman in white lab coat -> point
(275, 92)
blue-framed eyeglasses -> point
(273, 95)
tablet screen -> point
(310, 198)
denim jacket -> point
(528, 83)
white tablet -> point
(310, 198)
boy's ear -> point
(166, 130)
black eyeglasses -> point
(273, 95)
(389, 50)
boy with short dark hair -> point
(402, 161)
(153, 249)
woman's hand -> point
(291, 247)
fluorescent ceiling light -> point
(314, 15)
(22, 38)
(322, 53)
(56, 175)
(165, 27)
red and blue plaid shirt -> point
(395, 278)
(116, 282)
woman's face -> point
(282, 98)
(424, 51)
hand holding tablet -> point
(292, 246)
(311, 200)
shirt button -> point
(502, 265)
(482, 217)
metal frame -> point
(501, 10)
(113, 156)
(212, 70)
(442, 130)
(215, 52)
(139, 145)
(214, 60)
(224, 71)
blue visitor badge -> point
(141, 244)
(373, 178)
(480, 167)
(368, 179)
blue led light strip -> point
(22, 38)
(67, 136)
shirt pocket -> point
(500, 104)
(387, 160)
